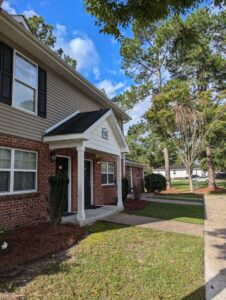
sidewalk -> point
(159, 224)
(215, 247)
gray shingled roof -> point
(79, 123)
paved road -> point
(159, 224)
(215, 247)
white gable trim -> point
(87, 135)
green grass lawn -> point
(183, 185)
(177, 212)
(181, 197)
(118, 262)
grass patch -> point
(180, 197)
(167, 211)
(183, 185)
(119, 262)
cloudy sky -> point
(97, 54)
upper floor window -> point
(18, 171)
(25, 84)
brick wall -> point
(138, 180)
(24, 209)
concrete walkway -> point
(159, 224)
(215, 247)
(172, 201)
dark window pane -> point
(4, 181)
(103, 178)
(110, 178)
(24, 181)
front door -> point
(88, 183)
(62, 168)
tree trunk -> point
(167, 168)
(190, 180)
(212, 182)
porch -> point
(92, 215)
(96, 146)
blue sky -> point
(97, 54)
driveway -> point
(215, 247)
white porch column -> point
(124, 165)
(119, 181)
(81, 191)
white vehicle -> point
(200, 179)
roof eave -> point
(65, 68)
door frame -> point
(69, 176)
(91, 180)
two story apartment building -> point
(53, 120)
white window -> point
(107, 173)
(18, 171)
(25, 84)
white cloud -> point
(110, 88)
(96, 72)
(29, 13)
(80, 47)
(7, 7)
(137, 112)
(44, 3)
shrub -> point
(58, 197)
(125, 188)
(3, 244)
(155, 182)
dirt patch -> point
(30, 243)
(135, 204)
(211, 190)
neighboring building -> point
(53, 120)
(179, 171)
(134, 171)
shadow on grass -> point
(170, 211)
(21, 275)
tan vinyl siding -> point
(62, 100)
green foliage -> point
(125, 188)
(45, 33)
(42, 30)
(113, 16)
(57, 197)
(155, 183)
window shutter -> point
(6, 73)
(41, 93)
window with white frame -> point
(107, 173)
(18, 171)
(25, 84)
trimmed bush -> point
(125, 188)
(155, 183)
(57, 197)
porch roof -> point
(86, 129)
(78, 123)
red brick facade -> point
(138, 176)
(24, 209)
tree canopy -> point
(112, 16)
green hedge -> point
(155, 183)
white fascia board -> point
(65, 137)
(61, 122)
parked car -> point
(200, 179)
(195, 176)
(220, 175)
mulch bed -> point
(135, 204)
(210, 190)
(27, 244)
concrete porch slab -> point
(93, 215)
